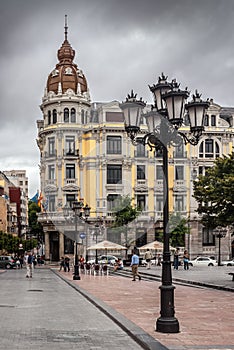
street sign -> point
(82, 235)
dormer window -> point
(55, 72)
(213, 120)
(68, 71)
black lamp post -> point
(219, 232)
(76, 207)
(79, 209)
(96, 233)
(86, 211)
(163, 121)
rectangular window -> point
(112, 201)
(51, 172)
(179, 172)
(51, 200)
(179, 151)
(207, 237)
(159, 203)
(114, 174)
(68, 244)
(114, 235)
(140, 149)
(70, 145)
(70, 198)
(114, 145)
(213, 120)
(140, 172)
(179, 203)
(51, 146)
(141, 237)
(141, 201)
(206, 120)
(209, 148)
(159, 172)
(70, 171)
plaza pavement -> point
(109, 312)
(205, 315)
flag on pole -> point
(35, 198)
(39, 201)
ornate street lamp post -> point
(219, 232)
(77, 208)
(97, 232)
(163, 121)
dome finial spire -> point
(66, 27)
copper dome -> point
(66, 72)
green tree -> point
(214, 193)
(124, 213)
(35, 226)
(178, 229)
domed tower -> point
(66, 112)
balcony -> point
(50, 154)
(179, 155)
(179, 186)
(70, 181)
(71, 153)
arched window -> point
(54, 116)
(209, 149)
(49, 117)
(86, 117)
(73, 115)
(66, 115)
(82, 117)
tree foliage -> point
(124, 213)
(35, 226)
(214, 193)
(178, 229)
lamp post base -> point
(76, 277)
(167, 325)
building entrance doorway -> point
(54, 246)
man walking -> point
(134, 264)
(148, 257)
(29, 262)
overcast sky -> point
(120, 45)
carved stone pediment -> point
(71, 188)
(50, 188)
(141, 188)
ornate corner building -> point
(85, 154)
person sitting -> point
(118, 265)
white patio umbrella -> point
(107, 245)
(155, 245)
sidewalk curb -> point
(188, 282)
(135, 332)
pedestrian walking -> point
(62, 264)
(148, 257)
(29, 263)
(134, 264)
(159, 260)
(67, 264)
(176, 259)
(186, 260)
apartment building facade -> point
(86, 155)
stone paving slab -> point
(45, 312)
(205, 315)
